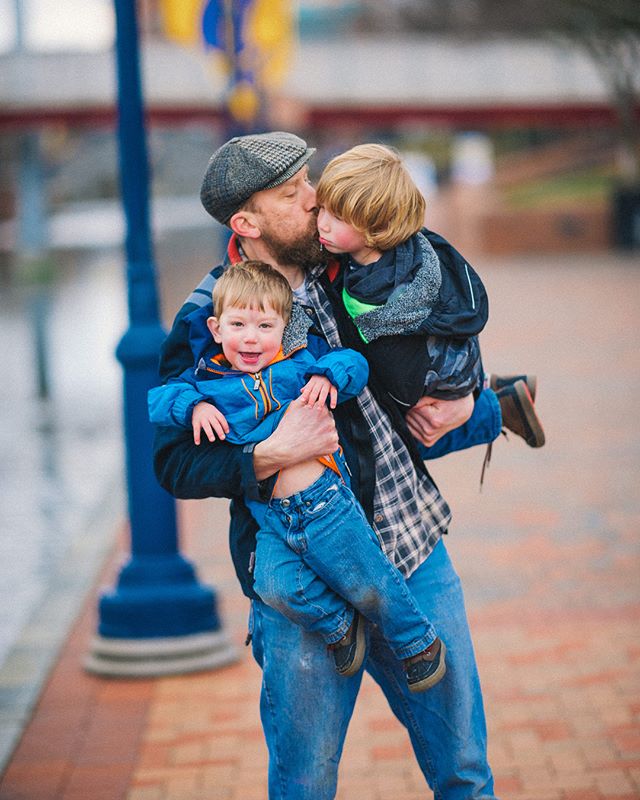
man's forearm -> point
(189, 471)
(268, 459)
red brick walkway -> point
(549, 557)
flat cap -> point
(248, 164)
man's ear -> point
(214, 329)
(245, 225)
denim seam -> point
(421, 643)
(391, 678)
(345, 622)
(278, 760)
(270, 705)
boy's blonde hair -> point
(252, 284)
(369, 188)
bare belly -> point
(295, 479)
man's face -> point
(287, 217)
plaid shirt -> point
(409, 513)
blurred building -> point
(541, 106)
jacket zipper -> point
(259, 386)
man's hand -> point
(430, 418)
(305, 432)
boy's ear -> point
(214, 329)
(245, 224)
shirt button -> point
(377, 518)
(309, 312)
(286, 503)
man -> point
(258, 186)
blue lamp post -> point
(159, 619)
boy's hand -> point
(207, 418)
(316, 391)
(431, 418)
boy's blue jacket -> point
(253, 404)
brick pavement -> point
(549, 557)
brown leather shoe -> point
(497, 382)
(519, 414)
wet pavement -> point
(548, 552)
(60, 474)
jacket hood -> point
(444, 296)
(462, 309)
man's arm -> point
(220, 469)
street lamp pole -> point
(159, 619)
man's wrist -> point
(258, 484)
(264, 460)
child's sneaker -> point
(348, 653)
(519, 414)
(497, 382)
(427, 668)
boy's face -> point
(250, 338)
(338, 236)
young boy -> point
(401, 279)
(315, 549)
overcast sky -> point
(51, 25)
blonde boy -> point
(316, 557)
(416, 302)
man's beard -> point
(304, 252)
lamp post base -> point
(147, 658)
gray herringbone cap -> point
(248, 164)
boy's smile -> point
(250, 337)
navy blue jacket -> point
(420, 309)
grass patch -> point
(588, 188)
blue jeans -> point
(482, 427)
(306, 706)
(315, 550)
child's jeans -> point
(315, 550)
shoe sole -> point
(358, 658)
(438, 675)
(497, 382)
(537, 439)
